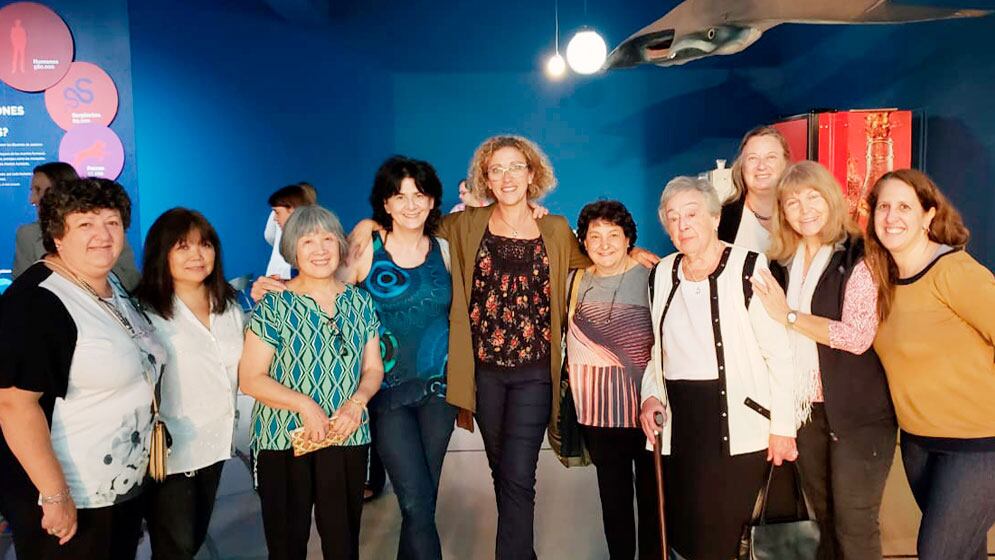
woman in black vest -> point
(825, 294)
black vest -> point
(731, 217)
(854, 386)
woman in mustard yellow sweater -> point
(937, 309)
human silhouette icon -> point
(19, 42)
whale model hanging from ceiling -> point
(698, 28)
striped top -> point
(608, 347)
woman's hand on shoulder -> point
(771, 294)
(538, 210)
(264, 285)
(644, 257)
(360, 238)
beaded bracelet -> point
(357, 401)
(58, 498)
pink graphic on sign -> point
(86, 95)
(94, 150)
(36, 47)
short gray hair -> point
(682, 184)
(307, 220)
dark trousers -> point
(178, 511)
(329, 481)
(512, 411)
(956, 492)
(107, 533)
(412, 442)
(376, 477)
(843, 477)
(614, 452)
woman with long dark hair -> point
(194, 311)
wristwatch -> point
(791, 318)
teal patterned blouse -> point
(316, 355)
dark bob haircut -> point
(156, 288)
(293, 196)
(57, 171)
(83, 196)
(611, 211)
(387, 183)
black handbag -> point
(572, 450)
(791, 540)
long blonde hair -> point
(738, 181)
(839, 224)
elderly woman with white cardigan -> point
(721, 374)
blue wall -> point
(251, 102)
(232, 103)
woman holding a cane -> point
(720, 373)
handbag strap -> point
(574, 290)
(802, 510)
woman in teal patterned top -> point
(312, 354)
(405, 272)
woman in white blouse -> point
(720, 372)
(194, 310)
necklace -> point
(758, 216)
(514, 230)
(697, 276)
(611, 306)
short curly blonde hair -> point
(543, 179)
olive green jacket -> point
(464, 231)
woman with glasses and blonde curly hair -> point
(509, 280)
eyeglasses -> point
(516, 169)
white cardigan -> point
(757, 358)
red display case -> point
(857, 146)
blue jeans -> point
(956, 492)
(412, 442)
(512, 412)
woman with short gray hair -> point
(312, 361)
(720, 373)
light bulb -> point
(586, 52)
(556, 66)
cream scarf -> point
(801, 287)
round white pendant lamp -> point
(586, 52)
(556, 67)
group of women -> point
(777, 333)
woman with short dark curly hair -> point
(609, 338)
(80, 363)
(28, 243)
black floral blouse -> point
(509, 302)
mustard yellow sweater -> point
(936, 347)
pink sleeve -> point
(855, 330)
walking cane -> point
(658, 467)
